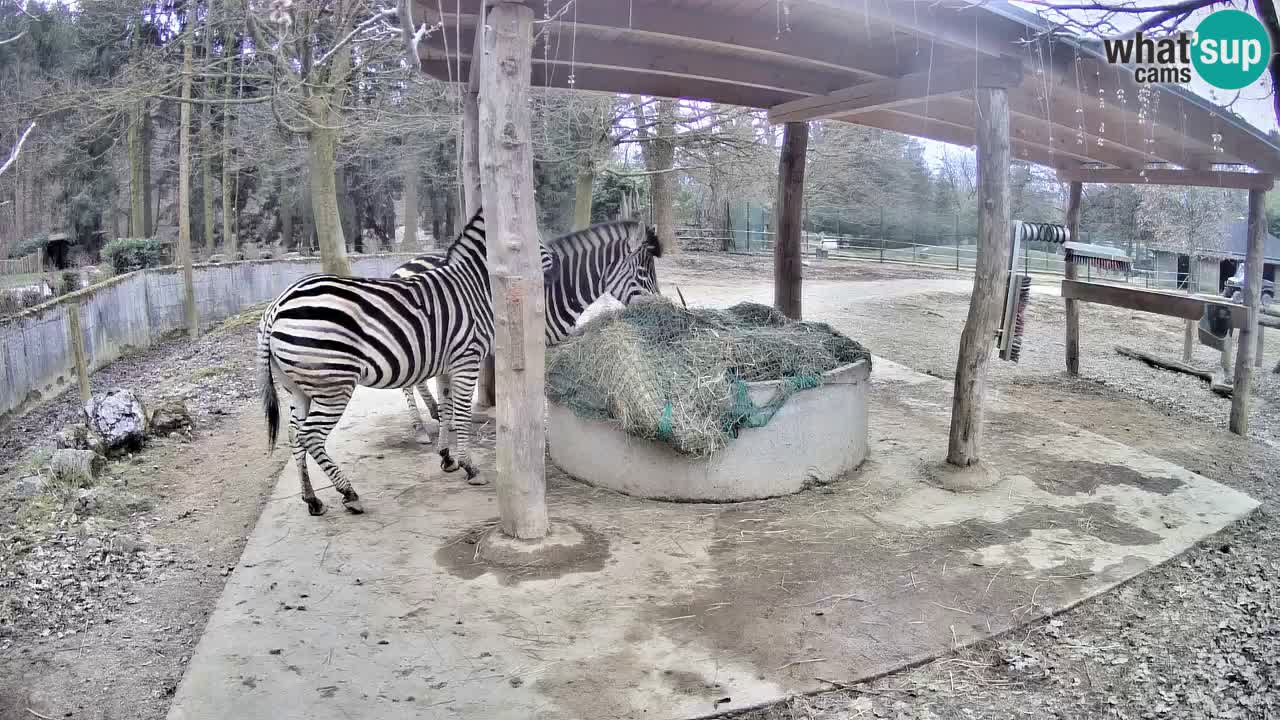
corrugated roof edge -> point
(1002, 8)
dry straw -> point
(679, 375)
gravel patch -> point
(213, 376)
(1196, 638)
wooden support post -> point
(486, 387)
(76, 331)
(1257, 356)
(1239, 423)
(1076, 193)
(985, 304)
(788, 270)
(515, 269)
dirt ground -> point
(124, 598)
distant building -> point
(1207, 270)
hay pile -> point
(679, 375)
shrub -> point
(13, 302)
(28, 246)
(129, 254)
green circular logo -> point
(1232, 49)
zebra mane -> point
(470, 243)
(605, 233)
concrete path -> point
(681, 610)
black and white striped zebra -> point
(326, 334)
(612, 258)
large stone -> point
(170, 415)
(119, 416)
(78, 468)
(29, 487)
(78, 436)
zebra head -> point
(637, 274)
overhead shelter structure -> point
(985, 75)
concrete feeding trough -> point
(816, 436)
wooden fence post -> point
(77, 349)
(1070, 273)
(992, 132)
(788, 271)
(506, 171)
(1239, 423)
(486, 388)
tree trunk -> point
(1239, 423)
(788, 272)
(207, 143)
(582, 199)
(506, 166)
(323, 145)
(410, 218)
(659, 160)
(150, 209)
(437, 215)
(138, 205)
(1076, 193)
(450, 216)
(992, 264)
(184, 189)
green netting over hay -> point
(679, 375)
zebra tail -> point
(267, 385)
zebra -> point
(326, 334)
(604, 258)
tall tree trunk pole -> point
(184, 189)
(788, 272)
(138, 222)
(506, 169)
(1076, 193)
(410, 219)
(582, 197)
(322, 141)
(486, 387)
(1252, 301)
(206, 139)
(992, 265)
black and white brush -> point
(1019, 317)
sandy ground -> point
(1199, 637)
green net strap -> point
(744, 413)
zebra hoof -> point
(316, 508)
(422, 437)
(475, 478)
(353, 506)
(447, 463)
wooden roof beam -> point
(959, 134)
(615, 80)
(1032, 130)
(893, 92)
(660, 20)
(626, 54)
(1170, 176)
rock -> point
(29, 487)
(120, 418)
(87, 502)
(169, 416)
(78, 436)
(78, 468)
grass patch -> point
(235, 322)
(212, 371)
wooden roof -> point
(903, 65)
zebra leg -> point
(419, 427)
(430, 399)
(463, 386)
(444, 436)
(298, 414)
(324, 415)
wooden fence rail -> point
(32, 263)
